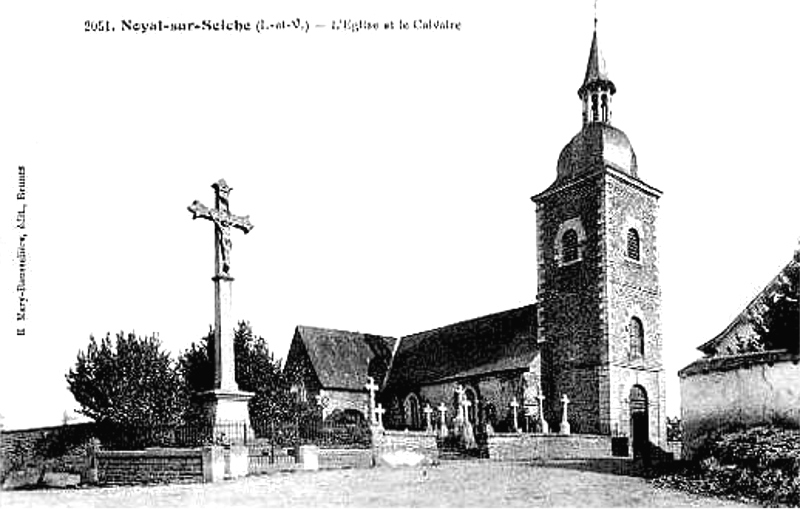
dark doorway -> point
(640, 433)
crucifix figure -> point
(564, 427)
(372, 387)
(428, 411)
(224, 367)
(223, 219)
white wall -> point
(735, 391)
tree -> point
(129, 382)
(778, 327)
(257, 371)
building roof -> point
(757, 306)
(498, 342)
(597, 145)
(344, 359)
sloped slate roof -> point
(756, 307)
(498, 342)
(344, 359)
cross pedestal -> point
(225, 406)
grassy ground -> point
(597, 483)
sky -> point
(388, 173)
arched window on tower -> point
(595, 108)
(604, 107)
(569, 246)
(633, 244)
(636, 330)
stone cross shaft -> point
(224, 367)
(515, 406)
(565, 428)
(428, 411)
(460, 397)
(443, 421)
(372, 387)
(542, 423)
(379, 411)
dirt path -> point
(459, 484)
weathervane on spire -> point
(595, 15)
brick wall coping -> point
(400, 433)
(739, 361)
(157, 452)
(546, 436)
(73, 425)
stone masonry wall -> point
(721, 393)
(150, 466)
(60, 448)
(632, 290)
(586, 306)
(342, 400)
(527, 447)
(570, 316)
(419, 442)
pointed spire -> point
(597, 88)
(595, 68)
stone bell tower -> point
(598, 294)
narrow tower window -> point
(595, 108)
(637, 338)
(604, 107)
(633, 244)
(569, 246)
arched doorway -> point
(640, 432)
(411, 411)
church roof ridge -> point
(311, 328)
(467, 321)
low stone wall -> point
(345, 458)
(149, 466)
(416, 442)
(737, 391)
(530, 446)
(57, 448)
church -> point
(592, 337)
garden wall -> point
(420, 442)
(531, 446)
(737, 391)
(57, 448)
(345, 458)
(150, 466)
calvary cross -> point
(224, 364)
(224, 220)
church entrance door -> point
(640, 435)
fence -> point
(276, 434)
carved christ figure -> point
(223, 220)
